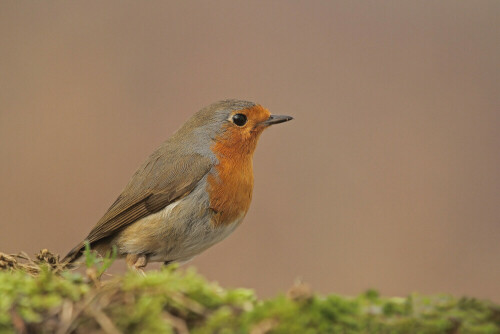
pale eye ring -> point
(240, 119)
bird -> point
(192, 192)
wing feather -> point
(156, 184)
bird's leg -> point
(137, 262)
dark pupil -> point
(239, 119)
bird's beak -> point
(275, 119)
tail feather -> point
(74, 254)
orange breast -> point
(230, 188)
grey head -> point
(199, 132)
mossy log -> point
(43, 296)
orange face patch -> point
(231, 188)
(243, 139)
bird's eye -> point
(239, 119)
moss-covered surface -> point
(42, 296)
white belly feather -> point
(173, 234)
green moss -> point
(47, 298)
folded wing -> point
(155, 185)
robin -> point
(190, 194)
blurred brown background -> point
(387, 178)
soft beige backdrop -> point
(387, 178)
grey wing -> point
(155, 185)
